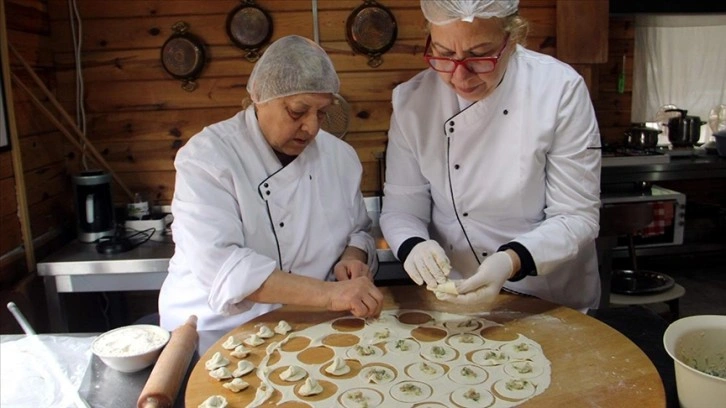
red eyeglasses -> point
(476, 65)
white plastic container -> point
(700, 342)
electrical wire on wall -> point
(77, 33)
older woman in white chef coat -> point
(493, 172)
(267, 207)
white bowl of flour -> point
(130, 348)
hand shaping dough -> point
(448, 287)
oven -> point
(669, 213)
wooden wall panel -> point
(613, 108)
(138, 116)
(44, 174)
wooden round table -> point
(591, 363)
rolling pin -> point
(165, 379)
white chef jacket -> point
(238, 214)
(514, 166)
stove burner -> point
(625, 156)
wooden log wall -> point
(139, 116)
(45, 175)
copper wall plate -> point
(183, 56)
(249, 27)
(371, 29)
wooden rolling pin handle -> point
(165, 379)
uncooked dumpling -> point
(236, 385)
(265, 332)
(240, 352)
(338, 367)
(254, 340)
(310, 387)
(293, 373)
(243, 367)
(215, 401)
(283, 328)
(231, 343)
(217, 360)
(221, 373)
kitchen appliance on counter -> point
(640, 136)
(94, 206)
(668, 208)
(684, 130)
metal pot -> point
(693, 124)
(684, 131)
(641, 137)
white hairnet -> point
(440, 12)
(292, 65)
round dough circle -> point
(394, 348)
(439, 353)
(515, 368)
(489, 357)
(465, 340)
(462, 325)
(502, 388)
(520, 350)
(365, 373)
(419, 391)
(485, 398)
(417, 372)
(371, 398)
(474, 374)
(355, 352)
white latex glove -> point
(485, 284)
(427, 262)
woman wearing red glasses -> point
(493, 171)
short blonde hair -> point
(517, 27)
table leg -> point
(675, 309)
(56, 307)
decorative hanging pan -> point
(371, 29)
(183, 55)
(249, 27)
(337, 119)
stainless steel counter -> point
(78, 267)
